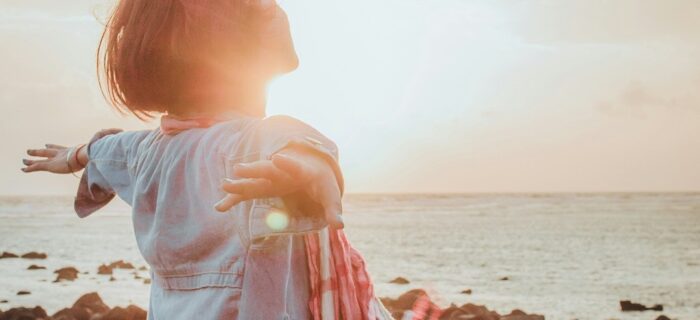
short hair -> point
(159, 56)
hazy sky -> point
(421, 96)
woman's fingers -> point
(264, 179)
(291, 166)
(29, 162)
(259, 170)
(332, 210)
(323, 188)
(36, 166)
(55, 146)
(46, 153)
(228, 202)
(330, 199)
(249, 188)
(243, 189)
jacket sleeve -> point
(108, 171)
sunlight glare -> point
(277, 220)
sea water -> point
(566, 256)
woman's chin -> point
(290, 65)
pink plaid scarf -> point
(340, 284)
(171, 125)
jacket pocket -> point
(269, 219)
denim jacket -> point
(205, 264)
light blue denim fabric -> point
(205, 264)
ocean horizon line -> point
(456, 194)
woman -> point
(278, 251)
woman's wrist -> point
(77, 158)
(81, 156)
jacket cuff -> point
(90, 196)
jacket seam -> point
(184, 275)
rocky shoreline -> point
(88, 307)
(413, 304)
(91, 307)
(416, 304)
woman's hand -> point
(56, 158)
(290, 172)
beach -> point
(564, 256)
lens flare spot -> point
(277, 220)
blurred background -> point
(421, 96)
(549, 151)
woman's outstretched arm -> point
(59, 159)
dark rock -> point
(104, 269)
(143, 268)
(663, 317)
(91, 302)
(131, 312)
(504, 279)
(406, 300)
(419, 302)
(454, 313)
(627, 305)
(481, 312)
(34, 255)
(146, 281)
(73, 313)
(121, 264)
(397, 314)
(466, 291)
(23, 293)
(524, 317)
(468, 311)
(36, 267)
(387, 302)
(24, 314)
(68, 273)
(400, 280)
(4, 301)
(112, 279)
(6, 255)
(518, 314)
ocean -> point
(566, 256)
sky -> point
(420, 96)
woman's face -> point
(277, 51)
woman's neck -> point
(249, 99)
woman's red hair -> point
(160, 56)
